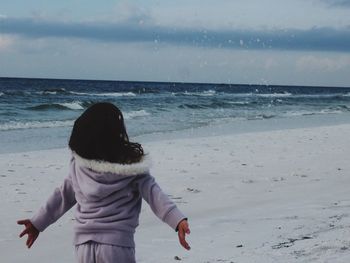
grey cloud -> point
(320, 39)
(337, 3)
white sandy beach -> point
(273, 196)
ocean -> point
(39, 113)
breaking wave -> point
(274, 95)
(75, 105)
(13, 125)
(205, 93)
(53, 91)
(135, 114)
(105, 94)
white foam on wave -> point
(116, 94)
(79, 93)
(34, 125)
(329, 111)
(105, 94)
(203, 93)
(306, 113)
(75, 105)
(46, 92)
(319, 96)
(274, 95)
(242, 94)
(50, 92)
(208, 93)
(1, 94)
(239, 102)
(134, 114)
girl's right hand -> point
(183, 229)
(30, 230)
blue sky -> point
(299, 42)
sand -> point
(272, 196)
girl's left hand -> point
(30, 230)
(183, 229)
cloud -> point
(5, 42)
(271, 63)
(322, 64)
(337, 3)
(129, 12)
(316, 39)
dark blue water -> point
(42, 111)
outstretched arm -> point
(61, 200)
(163, 207)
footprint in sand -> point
(193, 190)
(275, 179)
(299, 175)
(250, 181)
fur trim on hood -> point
(141, 167)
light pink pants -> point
(92, 252)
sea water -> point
(39, 113)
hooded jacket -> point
(108, 198)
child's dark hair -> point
(100, 134)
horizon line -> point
(175, 82)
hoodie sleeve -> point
(160, 203)
(60, 201)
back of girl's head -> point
(100, 134)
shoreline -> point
(221, 128)
(268, 196)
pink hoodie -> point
(108, 198)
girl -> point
(109, 176)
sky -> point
(274, 42)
